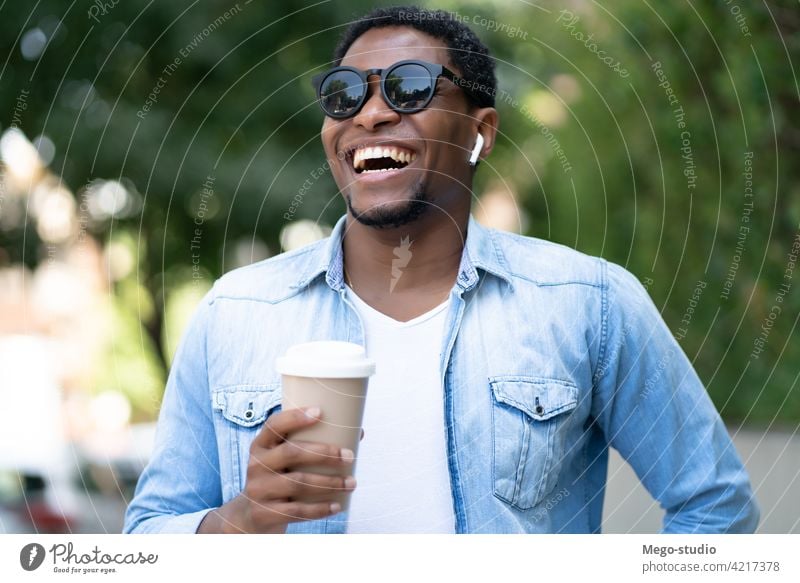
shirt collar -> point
(482, 251)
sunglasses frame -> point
(434, 70)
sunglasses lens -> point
(409, 87)
(340, 93)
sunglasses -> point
(407, 87)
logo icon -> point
(402, 254)
(31, 556)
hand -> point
(272, 493)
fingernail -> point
(350, 482)
(335, 507)
(313, 412)
(347, 455)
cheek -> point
(450, 150)
(338, 166)
(451, 139)
(327, 144)
(329, 135)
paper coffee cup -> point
(333, 376)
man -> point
(506, 365)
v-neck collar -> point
(388, 320)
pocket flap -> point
(249, 405)
(538, 398)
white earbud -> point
(473, 158)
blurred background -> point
(148, 148)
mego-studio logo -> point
(31, 556)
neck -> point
(422, 256)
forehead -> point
(380, 47)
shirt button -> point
(539, 409)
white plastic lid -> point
(326, 359)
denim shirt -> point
(549, 357)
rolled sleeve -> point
(655, 411)
(181, 481)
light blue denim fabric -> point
(549, 357)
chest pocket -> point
(241, 411)
(530, 419)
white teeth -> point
(363, 154)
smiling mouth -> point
(381, 159)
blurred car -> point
(86, 494)
(26, 506)
(47, 483)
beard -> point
(394, 214)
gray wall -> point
(772, 459)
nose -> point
(375, 111)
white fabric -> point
(401, 469)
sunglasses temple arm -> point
(464, 84)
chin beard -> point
(392, 215)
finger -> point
(279, 425)
(266, 515)
(305, 485)
(297, 511)
(295, 454)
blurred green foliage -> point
(238, 106)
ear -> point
(486, 121)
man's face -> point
(437, 139)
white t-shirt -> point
(401, 468)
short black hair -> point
(466, 50)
